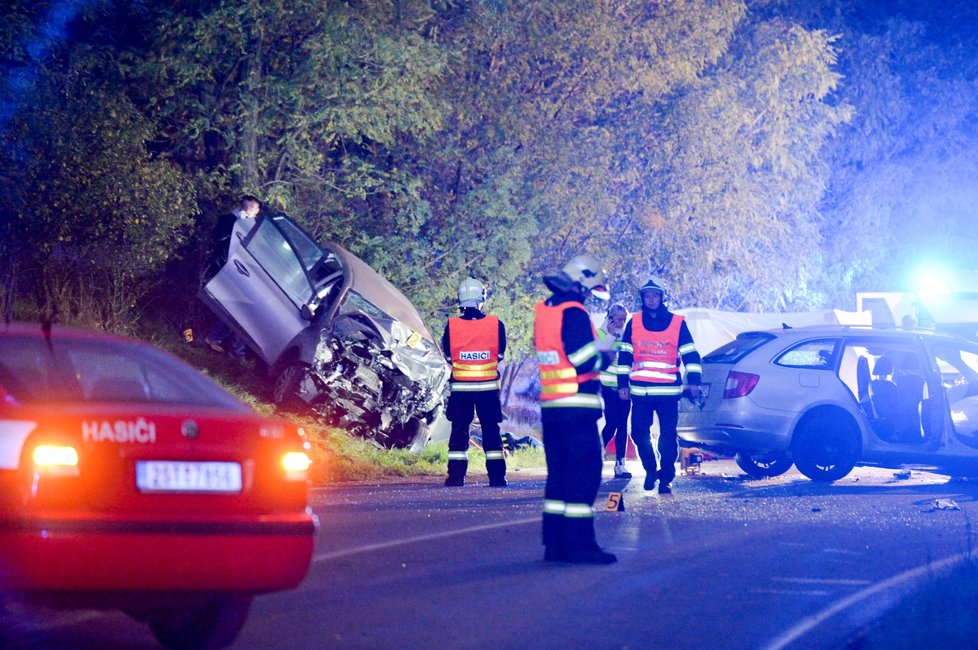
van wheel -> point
(286, 384)
(411, 435)
(764, 465)
(826, 447)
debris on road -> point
(902, 475)
(945, 504)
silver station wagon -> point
(828, 398)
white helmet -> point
(588, 272)
(471, 293)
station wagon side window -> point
(813, 355)
(273, 252)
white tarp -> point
(711, 328)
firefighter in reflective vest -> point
(475, 344)
(570, 357)
(654, 344)
(615, 408)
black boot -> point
(553, 554)
(650, 481)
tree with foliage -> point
(91, 216)
(738, 226)
(903, 172)
(535, 167)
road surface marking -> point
(841, 551)
(822, 581)
(421, 538)
(792, 592)
(805, 626)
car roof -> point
(830, 330)
(21, 328)
(378, 290)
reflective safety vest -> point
(559, 381)
(475, 353)
(656, 355)
(609, 376)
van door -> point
(262, 289)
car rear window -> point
(738, 348)
(35, 371)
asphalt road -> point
(724, 562)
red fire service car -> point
(128, 480)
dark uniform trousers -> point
(615, 420)
(666, 407)
(573, 450)
(462, 407)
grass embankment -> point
(337, 456)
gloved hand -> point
(695, 395)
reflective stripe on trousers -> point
(570, 510)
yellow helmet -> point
(471, 293)
(588, 272)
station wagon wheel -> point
(214, 624)
(766, 465)
(826, 446)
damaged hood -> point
(378, 328)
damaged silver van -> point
(337, 337)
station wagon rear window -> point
(737, 349)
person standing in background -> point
(475, 343)
(654, 344)
(615, 409)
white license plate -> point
(188, 476)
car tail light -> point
(59, 460)
(296, 465)
(739, 384)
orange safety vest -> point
(475, 353)
(559, 381)
(655, 355)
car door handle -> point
(242, 269)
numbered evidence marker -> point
(616, 502)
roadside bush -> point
(89, 230)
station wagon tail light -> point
(56, 459)
(739, 384)
(296, 465)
